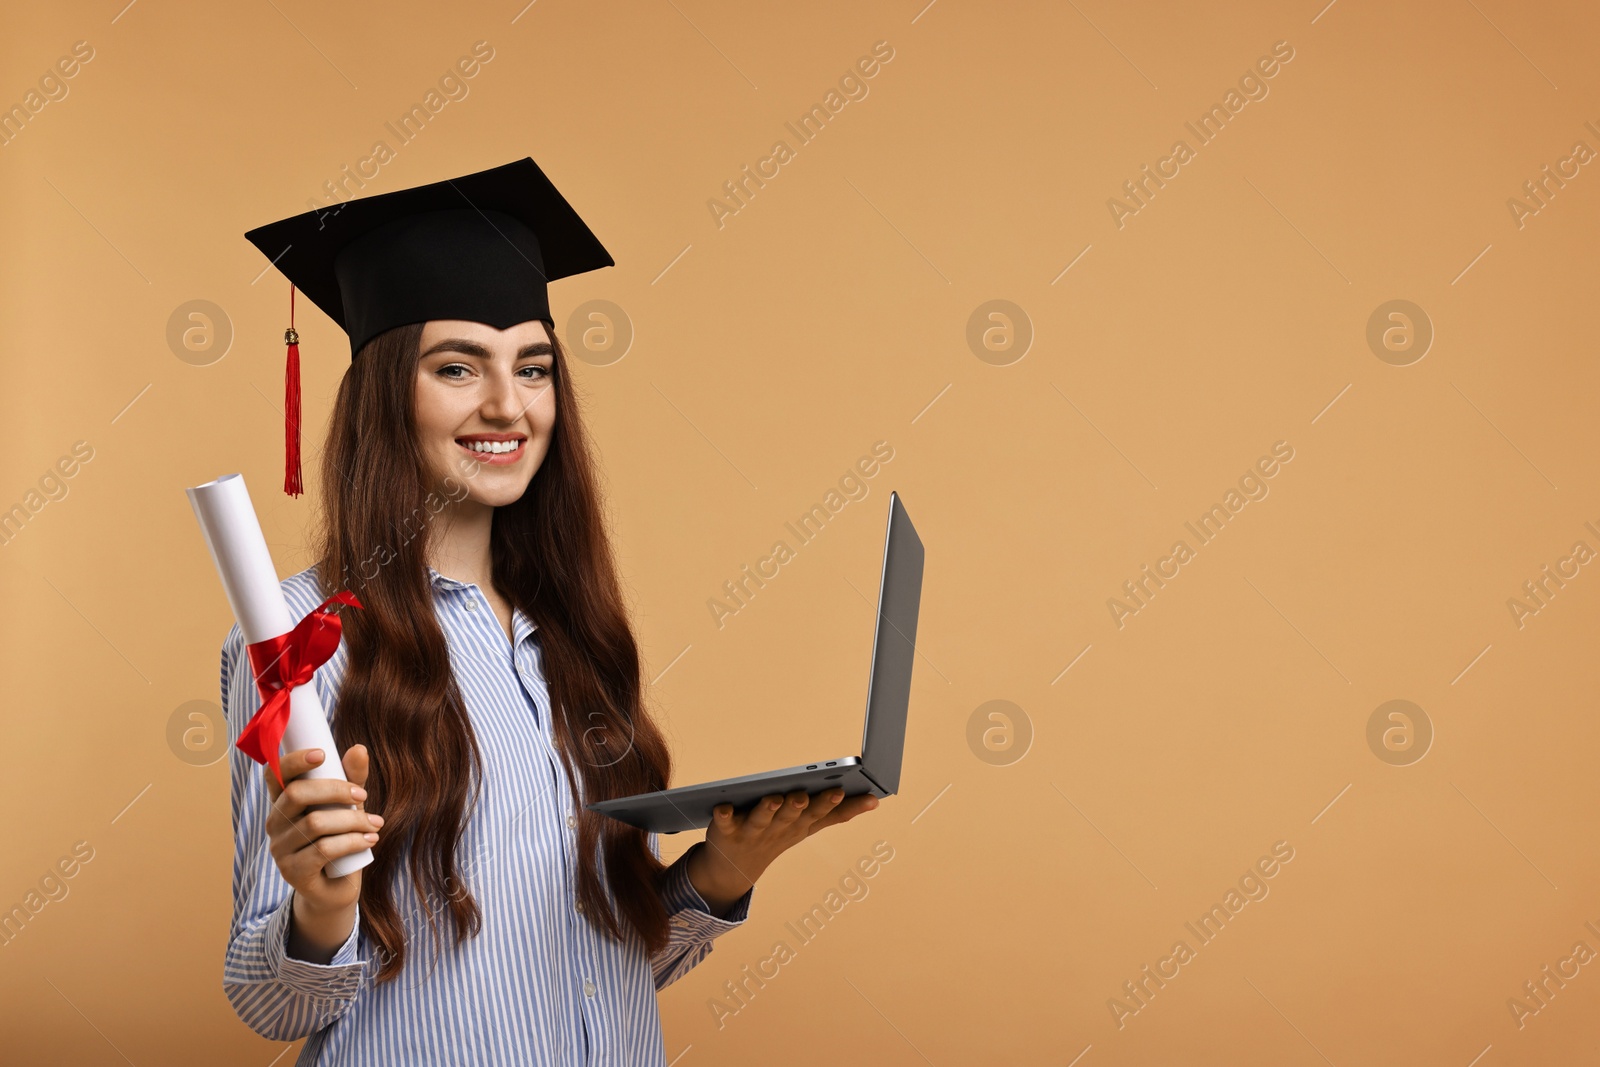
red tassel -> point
(291, 406)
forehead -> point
(509, 339)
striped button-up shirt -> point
(538, 985)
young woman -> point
(488, 688)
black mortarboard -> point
(480, 247)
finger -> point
(290, 835)
(823, 804)
(304, 793)
(723, 819)
(291, 765)
(304, 863)
(846, 810)
(793, 804)
(324, 822)
(760, 817)
(318, 821)
(356, 764)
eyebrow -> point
(472, 348)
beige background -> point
(832, 312)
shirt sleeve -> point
(278, 997)
(691, 926)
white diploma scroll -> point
(238, 548)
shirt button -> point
(588, 988)
(678, 921)
(572, 820)
(472, 605)
(579, 907)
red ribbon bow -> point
(280, 664)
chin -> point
(494, 492)
(499, 500)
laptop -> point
(883, 738)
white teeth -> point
(493, 446)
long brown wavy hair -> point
(552, 559)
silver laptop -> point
(883, 740)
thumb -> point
(356, 765)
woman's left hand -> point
(740, 847)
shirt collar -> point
(448, 583)
(520, 623)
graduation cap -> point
(481, 247)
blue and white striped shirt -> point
(538, 985)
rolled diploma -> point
(238, 548)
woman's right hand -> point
(304, 841)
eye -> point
(543, 371)
(443, 371)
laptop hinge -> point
(871, 779)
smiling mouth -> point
(488, 450)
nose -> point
(503, 402)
